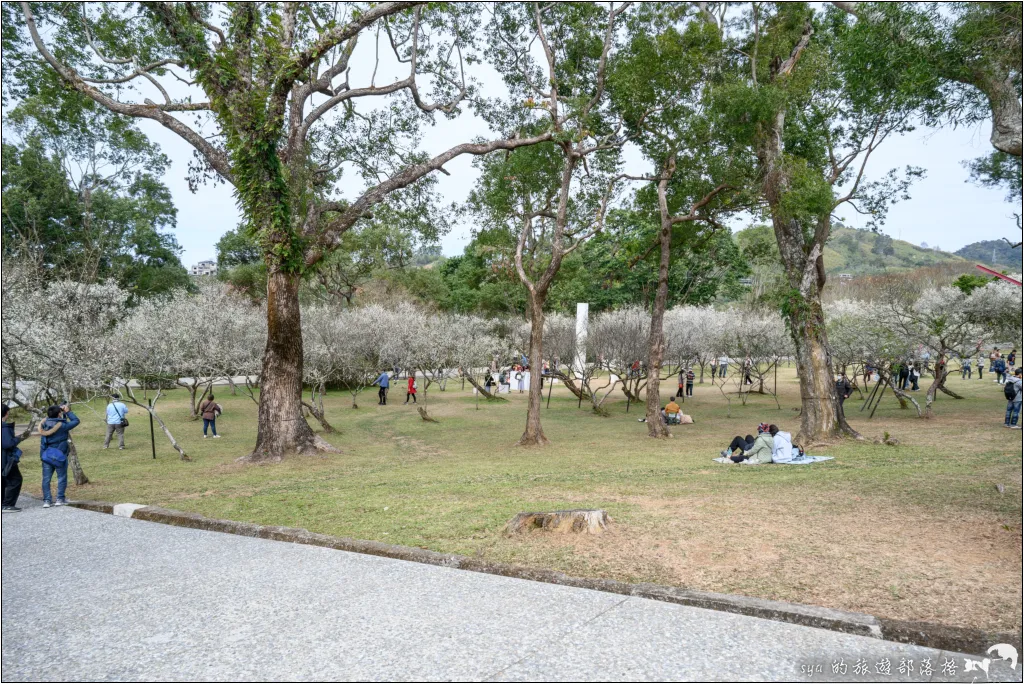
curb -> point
(937, 636)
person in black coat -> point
(843, 388)
(903, 379)
(12, 480)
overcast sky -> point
(944, 209)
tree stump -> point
(578, 521)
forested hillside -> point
(993, 252)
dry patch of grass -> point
(863, 554)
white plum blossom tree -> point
(621, 340)
(56, 344)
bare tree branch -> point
(215, 157)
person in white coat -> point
(783, 450)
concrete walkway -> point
(97, 597)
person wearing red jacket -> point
(411, 393)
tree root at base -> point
(316, 444)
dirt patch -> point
(862, 555)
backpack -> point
(1010, 390)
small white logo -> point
(976, 665)
(1004, 652)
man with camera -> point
(117, 421)
(53, 450)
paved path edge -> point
(943, 637)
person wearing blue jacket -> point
(382, 394)
(55, 432)
(11, 473)
(1000, 370)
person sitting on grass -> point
(673, 414)
(783, 450)
(743, 444)
(759, 452)
(669, 416)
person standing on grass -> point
(1001, 370)
(12, 456)
(54, 435)
(903, 378)
(1012, 390)
(210, 410)
(915, 375)
(411, 391)
(843, 387)
(1011, 360)
(723, 366)
(682, 382)
(117, 419)
(992, 360)
(520, 379)
(714, 368)
(382, 394)
(965, 368)
(690, 375)
(981, 365)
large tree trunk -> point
(1007, 124)
(282, 429)
(821, 416)
(656, 342)
(534, 434)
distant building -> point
(204, 268)
(746, 281)
(844, 277)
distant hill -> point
(862, 252)
(1004, 254)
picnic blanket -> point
(799, 460)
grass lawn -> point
(917, 531)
